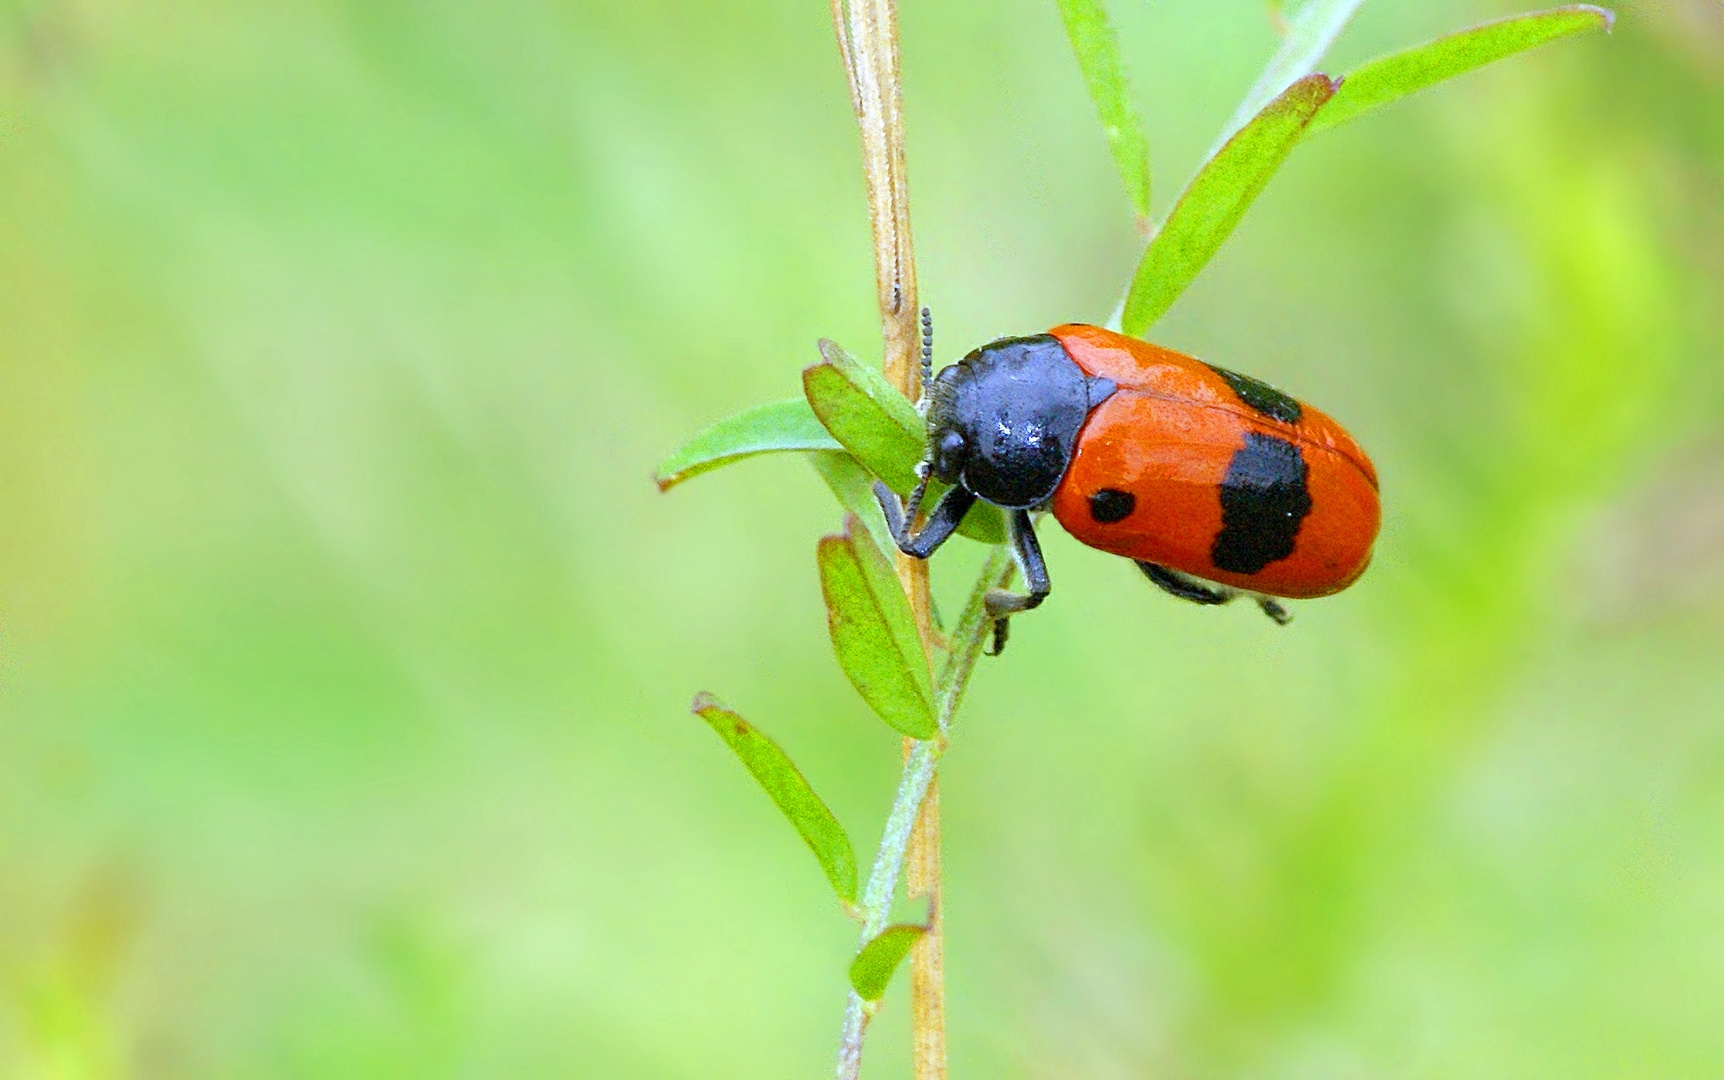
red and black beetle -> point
(1215, 484)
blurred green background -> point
(345, 646)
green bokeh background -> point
(345, 646)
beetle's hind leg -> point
(1177, 584)
(1203, 592)
(1002, 604)
(1275, 611)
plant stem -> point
(966, 639)
(867, 33)
(876, 903)
(928, 959)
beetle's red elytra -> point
(1231, 480)
(1215, 484)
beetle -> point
(1215, 484)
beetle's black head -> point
(1003, 420)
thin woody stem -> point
(928, 959)
(867, 34)
(876, 901)
(967, 637)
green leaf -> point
(867, 414)
(1097, 47)
(882, 430)
(877, 960)
(874, 631)
(1390, 78)
(1310, 33)
(1217, 198)
(789, 789)
(783, 425)
(854, 487)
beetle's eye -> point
(948, 453)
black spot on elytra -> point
(1111, 507)
(1263, 502)
(1261, 396)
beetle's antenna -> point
(927, 358)
(913, 505)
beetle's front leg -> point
(942, 522)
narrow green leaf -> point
(854, 487)
(1097, 47)
(877, 960)
(789, 789)
(882, 430)
(874, 631)
(1390, 78)
(782, 425)
(1216, 199)
(1310, 34)
(867, 414)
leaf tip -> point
(846, 536)
(872, 969)
(830, 351)
(1606, 17)
(827, 543)
(719, 716)
(1319, 87)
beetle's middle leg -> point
(1002, 604)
